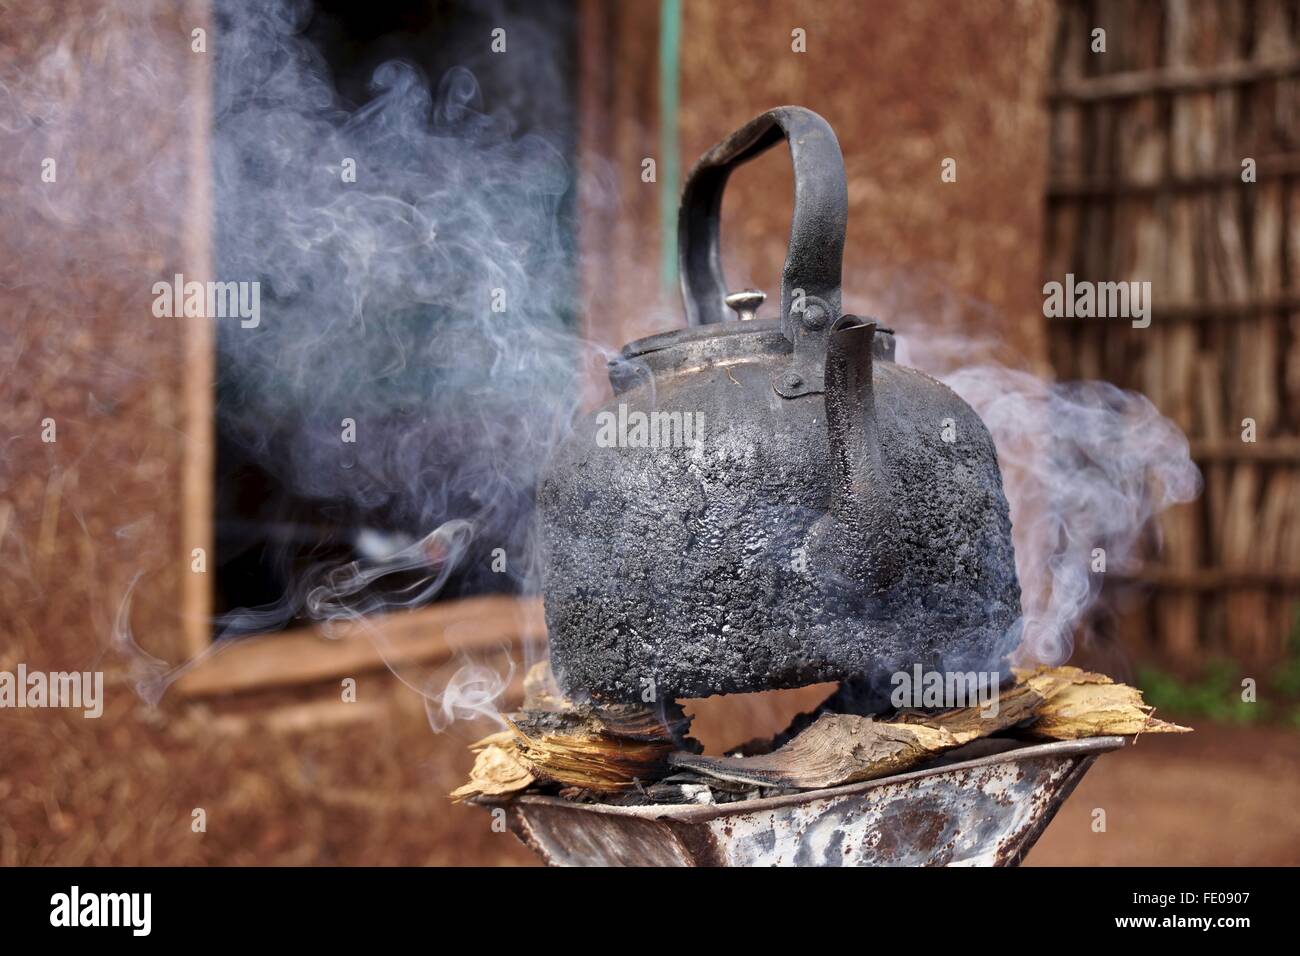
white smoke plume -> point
(429, 301)
(1085, 466)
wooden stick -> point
(1193, 312)
(476, 626)
(1283, 166)
(1174, 79)
(199, 362)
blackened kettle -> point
(772, 502)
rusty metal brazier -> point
(800, 509)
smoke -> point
(415, 358)
(429, 302)
(150, 675)
(473, 691)
(1085, 467)
(333, 594)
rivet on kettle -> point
(814, 316)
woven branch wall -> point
(1148, 147)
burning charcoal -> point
(676, 793)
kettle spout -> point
(855, 546)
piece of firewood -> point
(1057, 703)
(582, 750)
(836, 749)
(497, 769)
(1096, 709)
(607, 752)
(1016, 705)
(554, 740)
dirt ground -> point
(1225, 796)
(122, 790)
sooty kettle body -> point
(770, 503)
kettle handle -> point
(813, 261)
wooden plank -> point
(476, 625)
(1173, 80)
(1177, 616)
(1219, 348)
(1284, 450)
(1199, 311)
(314, 716)
(199, 371)
(1279, 515)
(1066, 225)
(1281, 166)
(1209, 579)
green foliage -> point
(1286, 678)
(1216, 694)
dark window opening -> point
(272, 529)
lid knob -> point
(745, 303)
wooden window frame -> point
(609, 85)
(306, 655)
